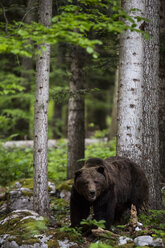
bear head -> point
(90, 182)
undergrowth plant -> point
(100, 245)
(17, 163)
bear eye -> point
(86, 182)
(96, 182)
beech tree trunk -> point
(150, 104)
(129, 135)
(162, 92)
(41, 199)
(76, 129)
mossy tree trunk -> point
(41, 199)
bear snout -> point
(92, 192)
(92, 195)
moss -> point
(67, 185)
(20, 241)
(53, 243)
(62, 235)
(17, 239)
(27, 183)
(31, 241)
(129, 245)
(2, 202)
(10, 226)
(27, 193)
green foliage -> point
(10, 84)
(60, 209)
(62, 94)
(99, 245)
(93, 222)
(83, 17)
(154, 217)
(101, 149)
(34, 227)
(57, 161)
(74, 231)
(15, 163)
(100, 134)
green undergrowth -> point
(17, 163)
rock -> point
(3, 208)
(21, 198)
(65, 243)
(123, 240)
(9, 237)
(157, 243)
(149, 241)
(143, 240)
(65, 195)
(51, 185)
(18, 185)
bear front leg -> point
(104, 209)
(79, 208)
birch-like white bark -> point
(129, 136)
(41, 199)
(151, 104)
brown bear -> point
(110, 186)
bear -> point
(110, 186)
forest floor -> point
(61, 235)
(16, 163)
(151, 224)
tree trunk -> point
(150, 104)
(162, 92)
(129, 136)
(41, 199)
(113, 126)
(76, 129)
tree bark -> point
(41, 199)
(113, 126)
(162, 92)
(150, 104)
(76, 129)
(129, 135)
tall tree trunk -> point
(162, 92)
(41, 199)
(129, 136)
(113, 126)
(76, 129)
(57, 121)
(150, 104)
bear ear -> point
(77, 173)
(100, 169)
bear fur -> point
(110, 186)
